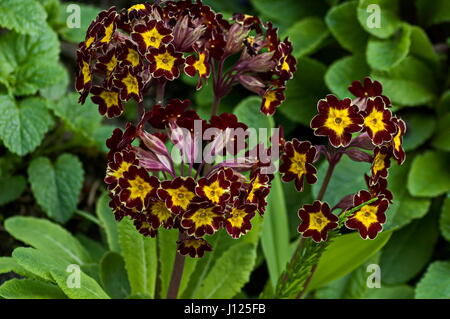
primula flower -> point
(272, 99)
(84, 77)
(381, 163)
(297, 163)
(214, 188)
(397, 140)
(194, 247)
(158, 215)
(287, 62)
(137, 187)
(120, 164)
(379, 189)
(198, 66)
(238, 220)
(317, 221)
(367, 89)
(369, 219)
(165, 62)
(202, 218)
(144, 227)
(151, 34)
(337, 119)
(174, 112)
(107, 28)
(178, 193)
(129, 83)
(108, 101)
(129, 55)
(259, 189)
(107, 63)
(377, 121)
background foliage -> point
(52, 159)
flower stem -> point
(160, 90)
(215, 106)
(177, 274)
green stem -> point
(160, 91)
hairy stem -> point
(177, 274)
(215, 106)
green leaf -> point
(275, 232)
(383, 54)
(87, 15)
(24, 124)
(167, 248)
(444, 221)
(114, 276)
(343, 24)
(408, 251)
(30, 289)
(307, 35)
(108, 221)
(58, 90)
(390, 292)
(247, 111)
(8, 264)
(47, 236)
(225, 279)
(440, 139)
(435, 284)
(409, 83)
(304, 90)
(57, 187)
(421, 45)
(385, 11)
(344, 254)
(11, 188)
(24, 16)
(140, 257)
(190, 265)
(93, 247)
(405, 207)
(343, 72)
(429, 175)
(89, 288)
(433, 12)
(420, 127)
(347, 178)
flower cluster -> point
(354, 128)
(126, 53)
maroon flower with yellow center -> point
(119, 210)
(165, 62)
(151, 34)
(317, 221)
(272, 99)
(369, 219)
(159, 215)
(194, 247)
(379, 189)
(238, 221)
(108, 101)
(215, 188)
(145, 228)
(286, 61)
(367, 89)
(258, 191)
(120, 163)
(129, 55)
(129, 83)
(381, 163)
(337, 119)
(107, 62)
(84, 78)
(397, 140)
(178, 193)
(107, 29)
(297, 163)
(137, 187)
(198, 66)
(202, 218)
(377, 121)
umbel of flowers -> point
(135, 52)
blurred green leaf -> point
(440, 139)
(30, 289)
(94, 248)
(420, 127)
(343, 24)
(429, 166)
(421, 45)
(247, 111)
(23, 124)
(307, 35)
(106, 217)
(304, 90)
(385, 11)
(433, 12)
(341, 73)
(57, 187)
(383, 54)
(88, 13)
(9, 264)
(114, 276)
(167, 249)
(24, 16)
(435, 284)
(11, 188)
(408, 251)
(58, 90)
(444, 221)
(390, 292)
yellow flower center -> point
(374, 121)
(298, 165)
(397, 141)
(133, 57)
(367, 215)
(86, 71)
(109, 30)
(317, 221)
(200, 66)
(203, 217)
(165, 61)
(181, 196)
(124, 166)
(338, 120)
(89, 42)
(236, 218)
(160, 210)
(137, 7)
(256, 185)
(193, 243)
(139, 188)
(131, 84)
(213, 192)
(111, 64)
(152, 38)
(378, 163)
(110, 98)
(285, 66)
(269, 98)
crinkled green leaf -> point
(341, 73)
(57, 186)
(435, 284)
(30, 289)
(343, 24)
(385, 11)
(24, 16)
(11, 188)
(114, 276)
(444, 221)
(23, 124)
(58, 90)
(429, 175)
